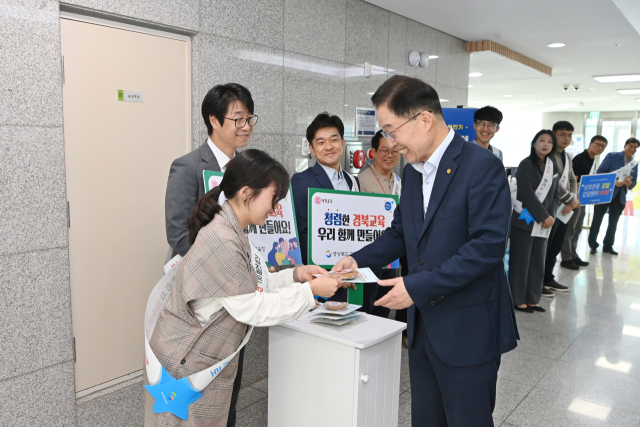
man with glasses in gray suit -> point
(227, 111)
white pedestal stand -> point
(323, 375)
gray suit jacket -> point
(572, 186)
(184, 188)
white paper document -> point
(347, 310)
(561, 217)
(538, 231)
(365, 275)
(333, 317)
(335, 322)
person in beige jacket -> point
(215, 295)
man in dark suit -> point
(452, 223)
(227, 111)
(611, 163)
(326, 142)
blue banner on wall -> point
(597, 189)
(460, 120)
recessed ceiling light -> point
(618, 79)
(475, 74)
(346, 105)
(433, 56)
(470, 86)
(444, 100)
(370, 93)
(554, 45)
(507, 96)
(617, 45)
(628, 91)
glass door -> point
(616, 132)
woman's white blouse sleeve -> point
(281, 305)
(281, 278)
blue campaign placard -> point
(597, 189)
(460, 120)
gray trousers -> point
(526, 266)
(574, 228)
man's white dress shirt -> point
(429, 169)
(222, 158)
(336, 177)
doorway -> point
(127, 102)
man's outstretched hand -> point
(345, 263)
(398, 297)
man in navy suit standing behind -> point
(326, 142)
(452, 223)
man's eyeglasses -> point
(385, 152)
(488, 125)
(391, 136)
(240, 123)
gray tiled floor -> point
(577, 365)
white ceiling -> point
(590, 29)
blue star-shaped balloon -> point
(173, 395)
(526, 216)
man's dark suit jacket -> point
(455, 254)
(314, 177)
(611, 163)
(184, 188)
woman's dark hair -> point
(534, 156)
(324, 120)
(251, 168)
(216, 102)
(407, 96)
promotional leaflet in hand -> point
(563, 217)
(360, 275)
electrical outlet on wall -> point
(305, 147)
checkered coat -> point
(217, 265)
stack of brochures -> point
(341, 317)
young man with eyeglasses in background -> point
(486, 123)
(563, 131)
(227, 111)
(583, 164)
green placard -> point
(354, 296)
(120, 95)
(207, 175)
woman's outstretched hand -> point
(325, 286)
(306, 272)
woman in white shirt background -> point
(221, 288)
